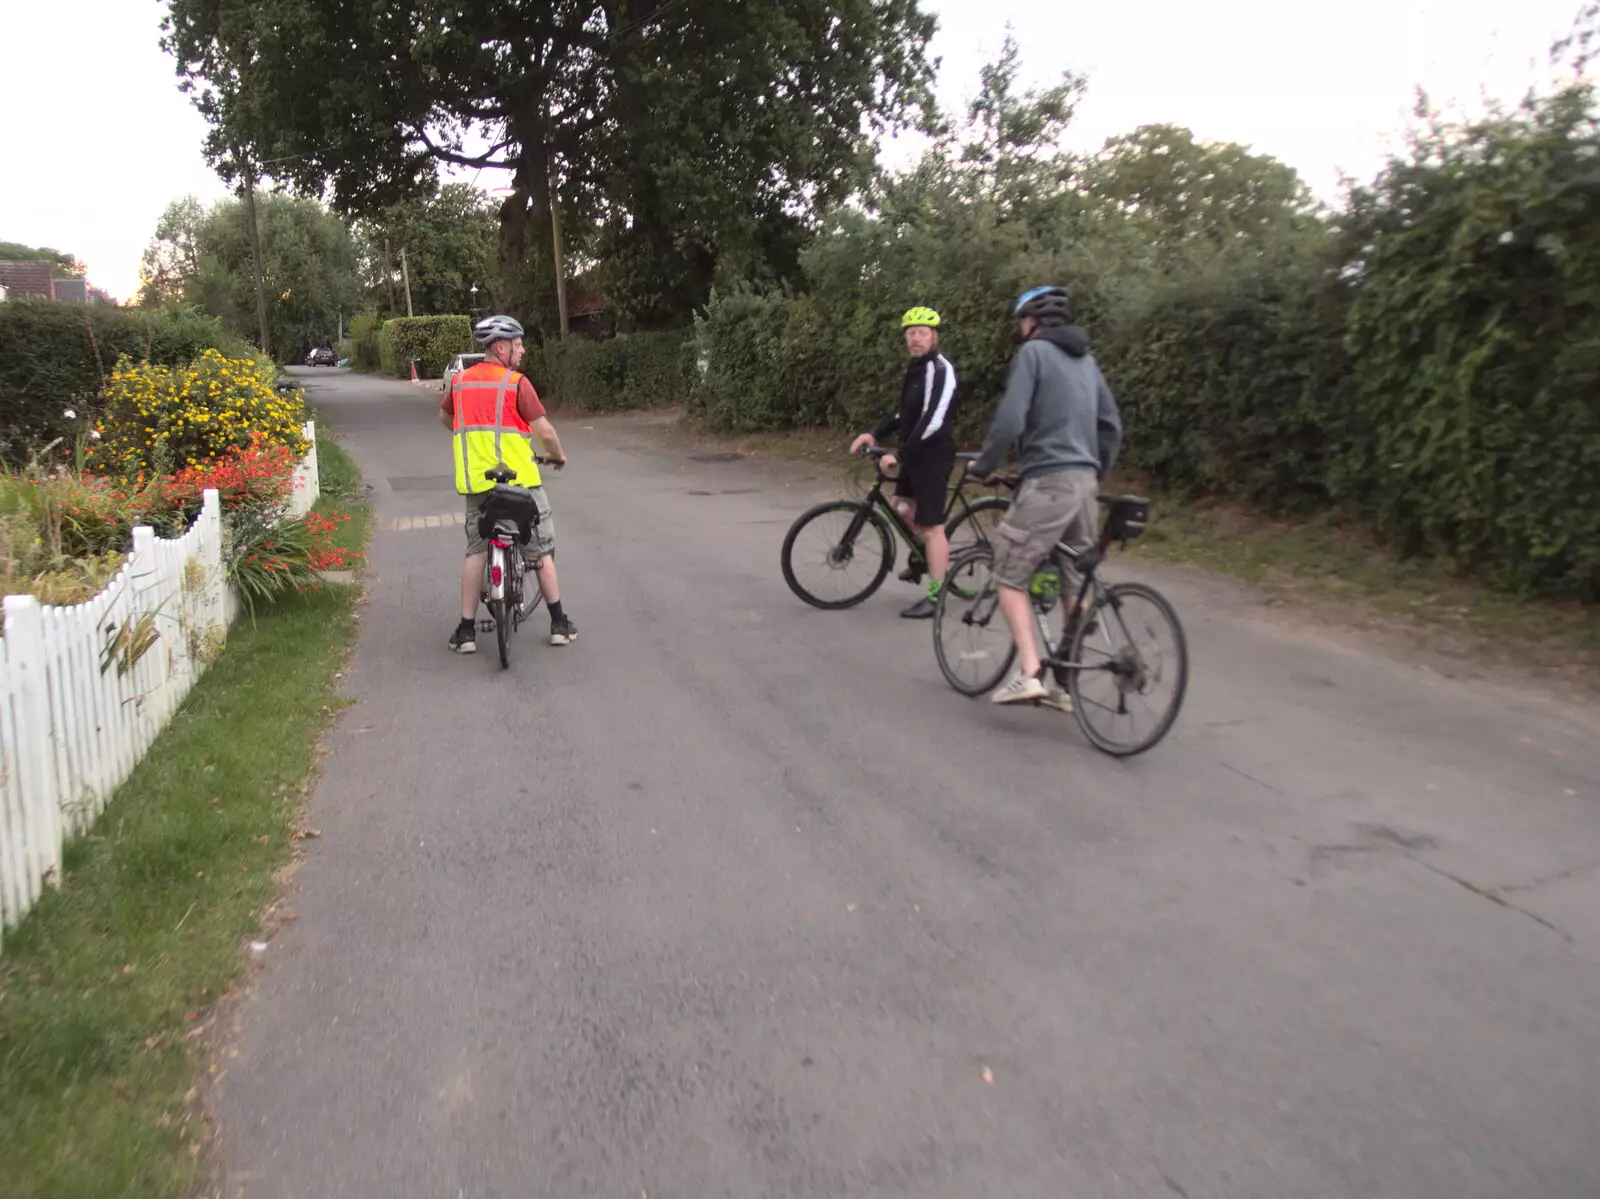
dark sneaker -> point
(921, 610)
(464, 640)
(563, 632)
(914, 571)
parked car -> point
(322, 356)
(457, 364)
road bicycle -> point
(850, 544)
(1116, 663)
(511, 590)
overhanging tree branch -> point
(484, 160)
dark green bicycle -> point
(1126, 666)
(838, 553)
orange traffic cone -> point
(414, 378)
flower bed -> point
(164, 436)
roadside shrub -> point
(431, 340)
(160, 419)
(362, 338)
(1475, 334)
(629, 371)
(1234, 380)
(49, 361)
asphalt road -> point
(735, 898)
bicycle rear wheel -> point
(843, 551)
(970, 637)
(1132, 670)
(501, 612)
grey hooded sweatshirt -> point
(1058, 404)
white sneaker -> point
(1058, 699)
(1023, 689)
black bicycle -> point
(507, 521)
(1115, 662)
(850, 547)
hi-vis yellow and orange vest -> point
(489, 431)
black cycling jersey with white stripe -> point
(927, 402)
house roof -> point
(582, 300)
(27, 280)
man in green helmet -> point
(927, 450)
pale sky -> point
(95, 138)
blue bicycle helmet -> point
(1044, 302)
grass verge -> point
(107, 986)
(1336, 566)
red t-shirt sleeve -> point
(528, 401)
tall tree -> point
(1179, 191)
(692, 121)
(450, 243)
(172, 258)
(202, 257)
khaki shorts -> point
(1059, 506)
(544, 533)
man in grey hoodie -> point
(1058, 406)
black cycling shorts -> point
(926, 479)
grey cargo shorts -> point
(1059, 506)
(544, 533)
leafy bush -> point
(54, 357)
(430, 340)
(1234, 380)
(630, 371)
(160, 418)
(363, 335)
(1475, 333)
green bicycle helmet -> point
(920, 316)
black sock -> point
(468, 623)
(556, 614)
(1039, 674)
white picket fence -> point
(80, 703)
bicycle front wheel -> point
(837, 554)
(970, 637)
(1131, 670)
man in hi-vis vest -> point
(493, 411)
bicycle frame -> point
(876, 499)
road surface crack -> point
(1492, 895)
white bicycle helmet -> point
(496, 328)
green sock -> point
(935, 586)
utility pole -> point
(405, 273)
(388, 273)
(561, 273)
(255, 251)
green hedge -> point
(363, 336)
(1236, 381)
(431, 340)
(48, 365)
(630, 371)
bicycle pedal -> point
(486, 626)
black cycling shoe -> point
(921, 610)
(914, 571)
(464, 640)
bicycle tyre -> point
(954, 601)
(1109, 617)
(500, 611)
(972, 519)
(885, 543)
